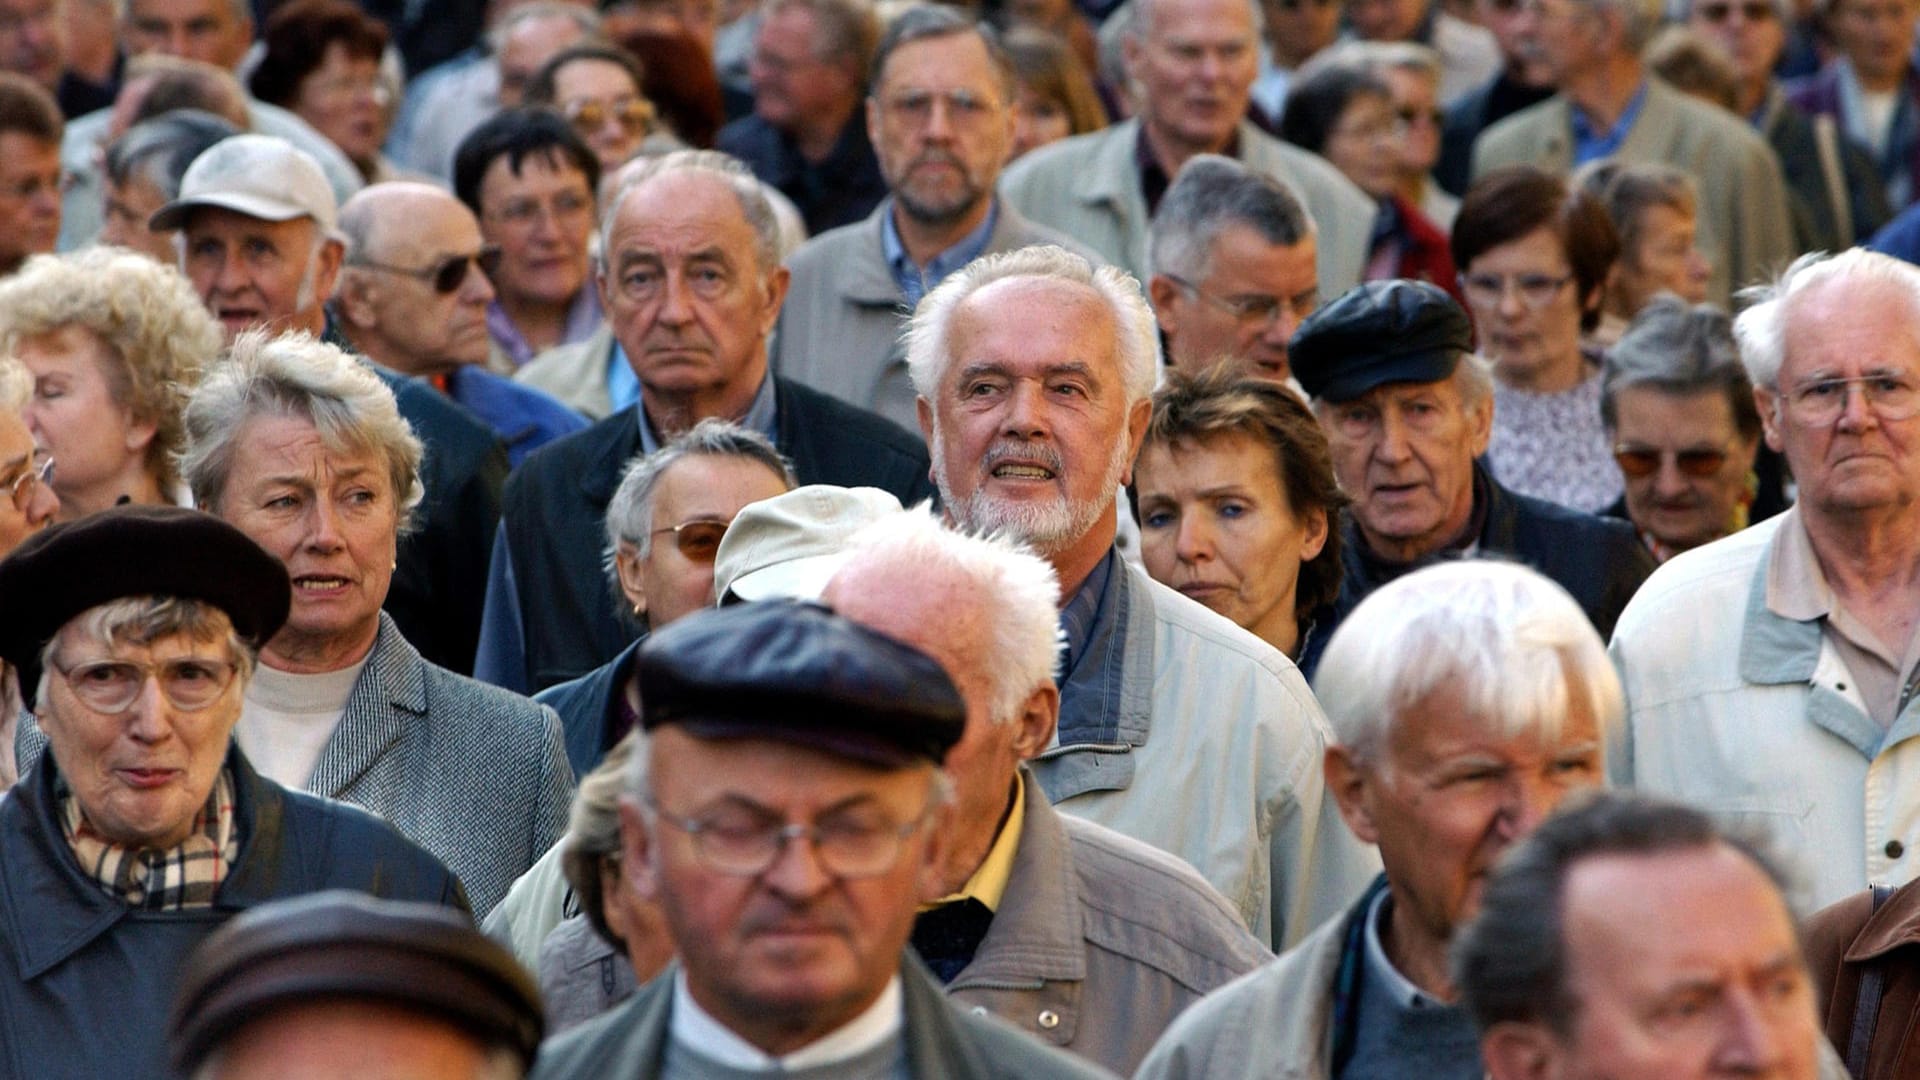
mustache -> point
(1036, 453)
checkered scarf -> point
(174, 879)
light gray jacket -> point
(576, 374)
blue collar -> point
(1589, 144)
(916, 281)
(760, 416)
(1093, 624)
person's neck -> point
(1753, 94)
(1073, 563)
(968, 844)
(134, 485)
(301, 654)
(816, 136)
(1557, 377)
(541, 323)
(1868, 557)
(1171, 152)
(926, 240)
(671, 413)
(777, 1033)
(1415, 953)
(1409, 551)
(387, 355)
(1280, 628)
(1604, 91)
(1880, 82)
(1523, 72)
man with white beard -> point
(1033, 371)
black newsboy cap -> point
(798, 673)
(1380, 332)
(66, 569)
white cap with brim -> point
(260, 176)
(790, 546)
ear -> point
(602, 282)
(331, 254)
(1767, 401)
(1036, 721)
(1137, 416)
(1161, 292)
(626, 563)
(924, 410)
(1347, 782)
(934, 856)
(1480, 423)
(873, 117)
(1512, 1051)
(354, 301)
(776, 284)
(637, 851)
(1317, 529)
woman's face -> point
(1037, 120)
(1664, 258)
(1526, 308)
(345, 100)
(332, 517)
(1416, 106)
(601, 102)
(100, 449)
(1363, 143)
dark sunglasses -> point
(448, 274)
(698, 540)
(1753, 11)
(1641, 462)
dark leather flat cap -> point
(333, 946)
(797, 673)
(1381, 332)
(66, 569)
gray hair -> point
(927, 22)
(1762, 328)
(928, 354)
(16, 385)
(593, 831)
(1380, 56)
(1640, 20)
(242, 10)
(723, 167)
(142, 620)
(1210, 194)
(1629, 189)
(1514, 642)
(1682, 351)
(1510, 961)
(629, 521)
(296, 375)
(159, 149)
(586, 18)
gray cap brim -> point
(174, 215)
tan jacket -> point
(576, 374)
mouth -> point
(1201, 590)
(320, 585)
(146, 779)
(1015, 470)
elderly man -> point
(1233, 268)
(413, 298)
(1521, 81)
(30, 176)
(692, 287)
(1469, 699)
(1631, 939)
(1193, 62)
(144, 168)
(1609, 106)
(1408, 411)
(144, 827)
(33, 42)
(771, 723)
(1034, 371)
(940, 115)
(1130, 935)
(1871, 87)
(1770, 675)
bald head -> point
(413, 296)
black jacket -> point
(86, 982)
(555, 508)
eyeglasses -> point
(588, 115)
(915, 107)
(1412, 117)
(1254, 309)
(1822, 401)
(448, 274)
(35, 473)
(742, 844)
(1297, 5)
(1719, 11)
(190, 683)
(1640, 462)
(699, 539)
(1536, 290)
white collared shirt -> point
(694, 1028)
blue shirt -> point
(1092, 655)
(1589, 144)
(916, 281)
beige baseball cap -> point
(790, 546)
(260, 176)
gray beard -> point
(1048, 528)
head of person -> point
(1572, 38)
(1633, 938)
(696, 20)
(156, 83)
(143, 172)
(1679, 410)
(342, 983)
(29, 501)
(1192, 63)
(530, 179)
(1033, 370)
(1876, 36)
(1466, 701)
(1234, 270)
(1237, 502)
(940, 114)
(667, 517)
(1655, 211)
(1834, 355)
(414, 289)
(217, 32)
(788, 547)
(1387, 20)
(1752, 33)
(810, 60)
(1510, 22)
(258, 241)
(531, 35)
(302, 448)
(682, 84)
(987, 609)
(115, 341)
(1407, 408)
(31, 177)
(1054, 96)
(1534, 256)
(590, 861)
(1412, 74)
(1297, 29)
(1693, 63)
(692, 283)
(134, 658)
(599, 90)
(33, 40)
(322, 62)
(1344, 112)
(770, 723)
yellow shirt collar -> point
(989, 883)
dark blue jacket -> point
(86, 982)
(586, 707)
(526, 419)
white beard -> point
(1049, 527)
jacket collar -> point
(1035, 937)
(865, 280)
(1896, 925)
(389, 697)
(588, 706)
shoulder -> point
(1060, 159)
(438, 421)
(1185, 621)
(824, 253)
(1530, 123)
(835, 422)
(563, 457)
(567, 359)
(354, 848)
(1565, 523)
(1279, 1007)
(478, 707)
(1711, 578)
(1155, 907)
(611, 1044)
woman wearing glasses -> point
(322, 63)
(1534, 257)
(27, 505)
(597, 88)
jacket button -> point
(1049, 1019)
(979, 1010)
(1895, 849)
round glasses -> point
(190, 683)
(1821, 401)
(634, 115)
(446, 275)
(1536, 290)
(741, 843)
(1255, 309)
(1640, 462)
(35, 473)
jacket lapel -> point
(389, 696)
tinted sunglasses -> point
(1752, 10)
(1640, 462)
(634, 115)
(698, 540)
(448, 274)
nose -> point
(1510, 305)
(323, 526)
(676, 306)
(796, 872)
(477, 289)
(1668, 480)
(939, 120)
(1280, 328)
(1751, 1038)
(1698, 267)
(146, 717)
(1527, 801)
(1026, 413)
(1194, 541)
(1393, 445)
(43, 505)
(231, 277)
(1857, 414)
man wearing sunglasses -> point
(413, 298)
(1772, 676)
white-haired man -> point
(1082, 937)
(1176, 727)
(1469, 699)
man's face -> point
(251, 272)
(527, 48)
(212, 31)
(675, 577)
(128, 208)
(1662, 259)
(1875, 35)
(26, 504)
(1296, 29)
(1450, 792)
(1405, 452)
(1416, 98)
(1682, 965)
(1677, 509)
(1749, 30)
(1562, 36)
(1386, 20)
(1254, 297)
(792, 83)
(541, 219)
(33, 39)
(941, 126)
(1195, 62)
(1031, 430)
(795, 948)
(404, 321)
(29, 197)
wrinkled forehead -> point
(1850, 325)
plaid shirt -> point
(174, 879)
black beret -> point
(66, 569)
(347, 945)
(1380, 332)
(798, 673)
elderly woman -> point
(1655, 212)
(1680, 413)
(1237, 503)
(115, 342)
(1054, 96)
(1534, 257)
(598, 89)
(304, 450)
(322, 63)
(27, 505)
(143, 828)
(143, 171)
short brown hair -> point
(27, 108)
(1044, 63)
(297, 38)
(1510, 203)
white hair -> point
(16, 385)
(1513, 642)
(1762, 328)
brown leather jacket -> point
(1843, 942)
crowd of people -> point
(889, 538)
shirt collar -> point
(695, 1028)
(761, 416)
(1797, 589)
(1154, 180)
(1590, 144)
(989, 881)
(916, 281)
(1379, 967)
